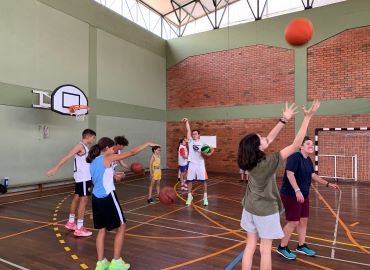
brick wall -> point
(343, 143)
(229, 133)
(251, 75)
(339, 67)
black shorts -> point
(83, 188)
(107, 212)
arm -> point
(77, 149)
(211, 153)
(295, 186)
(287, 151)
(288, 113)
(127, 154)
(187, 125)
(151, 165)
(123, 165)
(318, 179)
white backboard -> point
(210, 140)
(65, 96)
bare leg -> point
(100, 244)
(288, 230)
(150, 188)
(302, 229)
(118, 241)
(265, 249)
(74, 204)
(249, 250)
(82, 207)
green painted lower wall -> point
(26, 155)
(137, 131)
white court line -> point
(336, 226)
(188, 231)
(13, 264)
(340, 260)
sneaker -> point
(102, 265)
(304, 249)
(118, 265)
(205, 201)
(286, 253)
(189, 200)
(184, 188)
(70, 226)
(82, 232)
(151, 201)
(241, 181)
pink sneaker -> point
(82, 232)
(70, 226)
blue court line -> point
(235, 261)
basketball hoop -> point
(79, 111)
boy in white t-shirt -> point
(197, 167)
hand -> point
(119, 176)
(184, 120)
(300, 197)
(152, 144)
(334, 186)
(314, 107)
(289, 111)
(52, 172)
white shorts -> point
(266, 227)
(196, 172)
(243, 172)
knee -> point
(293, 224)
(265, 250)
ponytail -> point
(93, 153)
(97, 148)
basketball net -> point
(77, 111)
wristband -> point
(282, 120)
(297, 190)
(327, 184)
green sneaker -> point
(189, 200)
(205, 201)
(118, 265)
(102, 265)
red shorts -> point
(295, 210)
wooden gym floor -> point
(32, 235)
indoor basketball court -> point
(168, 134)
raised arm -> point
(130, 153)
(77, 149)
(187, 125)
(288, 113)
(287, 151)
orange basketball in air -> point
(299, 31)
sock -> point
(205, 195)
(71, 218)
(80, 223)
(103, 261)
(117, 261)
(189, 194)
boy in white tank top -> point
(81, 174)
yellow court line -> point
(34, 198)
(344, 226)
(83, 266)
(354, 224)
(28, 220)
(244, 238)
(204, 257)
(22, 232)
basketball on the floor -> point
(137, 168)
(299, 31)
(167, 195)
